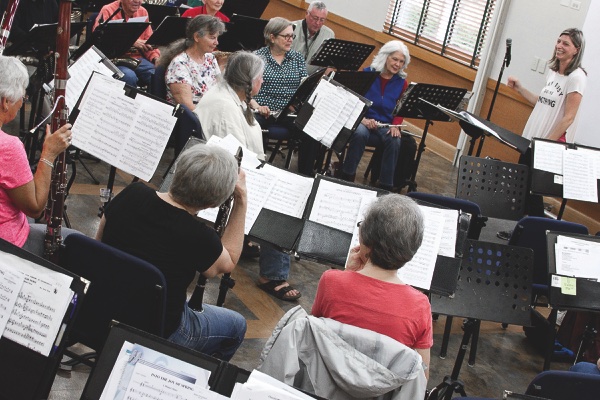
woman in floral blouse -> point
(191, 67)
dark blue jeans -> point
(376, 137)
(143, 73)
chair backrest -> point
(500, 188)
(158, 86)
(122, 287)
(477, 220)
(531, 232)
(565, 385)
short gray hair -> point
(319, 5)
(393, 231)
(205, 176)
(274, 27)
(243, 68)
(13, 79)
(386, 50)
(203, 25)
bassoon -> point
(56, 198)
(7, 20)
(227, 282)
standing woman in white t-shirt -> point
(554, 114)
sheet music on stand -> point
(331, 114)
(565, 170)
(80, 71)
(40, 38)
(301, 94)
(126, 130)
(317, 218)
(170, 29)
(342, 54)
(38, 303)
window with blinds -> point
(456, 29)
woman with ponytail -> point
(225, 108)
(191, 67)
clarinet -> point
(56, 198)
(7, 21)
(227, 282)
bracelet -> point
(48, 163)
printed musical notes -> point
(10, 286)
(40, 306)
(579, 176)
(128, 133)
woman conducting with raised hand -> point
(389, 237)
(191, 67)
(391, 61)
(23, 194)
(225, 108)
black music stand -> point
(301, 94)
(158, 13)
(170, 29)
(358, 81)
(113, 39)
(342, 54)
(243, 33)
(588, 292)
(254, 8)
(40, 40)
(494, 284)
(499, 188)
(417, 102)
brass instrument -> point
(195, 302)
(6, 23)
(56, 198)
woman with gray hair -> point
(162, 229)
(225, 108)
(191, 67)
(23, 194)
(391, 62)
(389, 236)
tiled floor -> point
(505, 360)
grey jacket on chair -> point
(339, 361)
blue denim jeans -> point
(216, 331)
(273, 264)
(586, 368)
(143, 73)
(376, 137)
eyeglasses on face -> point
(288, 37)
(316, 19)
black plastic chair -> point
(565, 385)
(122, 287)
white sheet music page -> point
(79, 74)
(418, 272)
(11, 282)
(259, 185)
(548, 156)
(595, 156)
(579, 178)
(578, 258)
(337, 205)
(130, 134)
(345, 105)
(328, 103)
(450, 225)
(260, 386)
(40, 306)
(290, 192)
(141, 373)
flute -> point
(382, 125)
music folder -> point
(572, 291)
(170, 29)
(38, 305)
(331, 114)
(565, 170)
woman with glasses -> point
(284, 70)
(23, 194)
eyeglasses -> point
(287, 37)
(317, 19)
